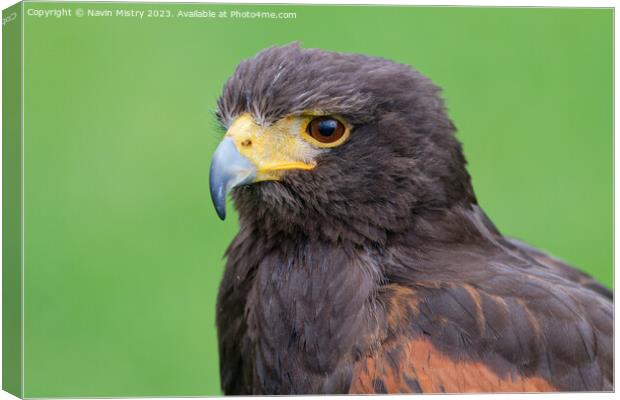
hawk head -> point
(334, 145)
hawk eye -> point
(326, 129)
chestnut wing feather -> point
(510, 324)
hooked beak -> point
(228, 169)
(252, 153)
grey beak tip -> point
(228, 170)
(218, 193)
(221, 211)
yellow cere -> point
(281, 146)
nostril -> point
(246, 143)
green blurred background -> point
(123, 249)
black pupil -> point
(327, 127)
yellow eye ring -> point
(325, 131)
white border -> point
(462, 3)
(475, 3)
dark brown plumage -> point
(375, 270)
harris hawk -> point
(363, 262)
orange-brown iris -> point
(326, 129)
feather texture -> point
(377, 272)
